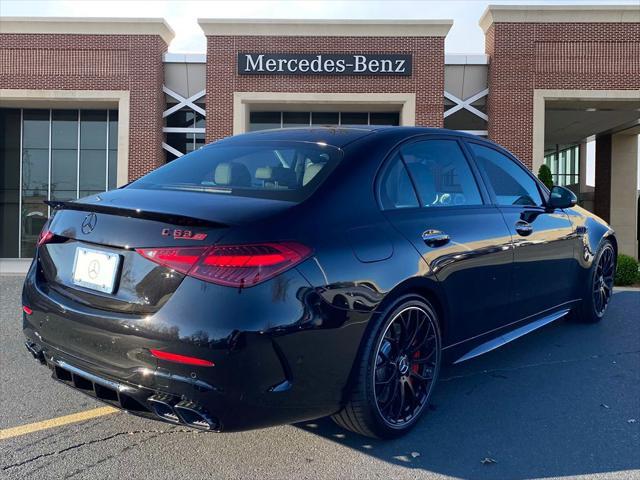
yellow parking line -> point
(55, 422)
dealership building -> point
(89, 104)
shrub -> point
(544, 174)
(627, 271)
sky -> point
(464, 37)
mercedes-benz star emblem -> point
(93, 269)
(89, 223)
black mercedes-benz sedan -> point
(281, 276)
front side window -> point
(510, 183)
(286, 170)
(441, 173)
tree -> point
(544, 174)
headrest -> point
(234, 174)
(311, 171)
(284, 177)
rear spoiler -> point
(175, 219)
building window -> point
(468, 115)
(184, 132)
(184, 123)
(50, 155)
(564, 165)
(268, 120)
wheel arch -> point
(424, 288)
(614, 241)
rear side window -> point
(396, 190)
(510, 183)
(441, 173)
(283, 170)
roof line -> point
(88, 26)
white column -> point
(582, 167)
(624, 191)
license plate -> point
(95, 269)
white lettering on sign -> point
(324, 64)
(254, 64)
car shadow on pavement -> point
(562, 401)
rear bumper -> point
(277, 360)
(135, 399)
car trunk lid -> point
(119, 222)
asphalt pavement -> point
(563, 401)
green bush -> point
(627, 272)
(544, 174)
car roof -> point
(336, 136)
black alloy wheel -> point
(405, 366)
(599, 288)
(398, 372)
(603, 280)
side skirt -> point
(512, 335)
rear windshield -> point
(280, 170)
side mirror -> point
(562, 198)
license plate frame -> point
(96, 269)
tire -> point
(598, 290)
(400, 362)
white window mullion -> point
(78, 161)
(183, 102)
(49, 172)
(106, 160)
(466, 104)
(183, 130)
(20, 185)
(170, 149)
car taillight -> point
(180, 259)
(44, 237)
(174, 357)
(231, 265)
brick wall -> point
(528, 56)
(427, 80)
(96, 62)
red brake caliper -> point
(415, 367)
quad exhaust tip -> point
(36, 351)
(195, 416)
(162, 406)
(184, 412)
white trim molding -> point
(170, 149)
(464, 59)
(466, 104)
(541, 96)
(558, 14)
(170, 57)
(19, 98)
(324, 28)
(482, 133)
(88, 26)
(242, 101)
(183, 129)
(183, 102)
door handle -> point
(523, 228)
(435, 238)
